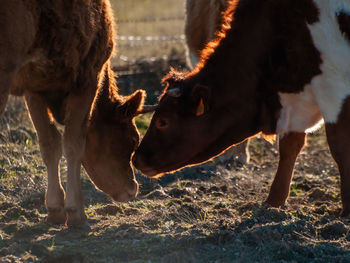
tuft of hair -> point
(171, 79)
(173, 76)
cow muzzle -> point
(129, 192)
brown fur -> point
(289, 148)
(264, 48)
(203, 20)
(56, 54)
(339, 144)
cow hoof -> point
(270, 202)
(75, 217)
(56, 216)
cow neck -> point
(230, 63)
(230, 66)
(107, 98)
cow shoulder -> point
(293, 59)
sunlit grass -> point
(142, 123)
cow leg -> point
(17, 33)
(51, 151)
(6, 79)
(338, 136)
(289, 147)
(74, 145)
(8, 68)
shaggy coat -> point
(56, 54)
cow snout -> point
(128, 193)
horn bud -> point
(175, 92)
(147, 108)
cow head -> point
(112, 138)
(186, 129)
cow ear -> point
(200, 97)
(133, 104)
(200, 108)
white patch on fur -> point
(299, 112)
(325, 95)
(333, 85)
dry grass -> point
(200, 214)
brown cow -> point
(56, 54)
(203, 20)
(278, 67)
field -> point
(208, 213)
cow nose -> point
(128, 193)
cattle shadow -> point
(129, 242)
(201, 172)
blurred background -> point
(150, 39)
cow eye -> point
(161, 123)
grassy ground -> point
(210, 213)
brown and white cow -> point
(203, 20)
(278, 67)
(56, 54)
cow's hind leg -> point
(17, 33)
(51, 151)
(338, 136)
(290, 146)
(9, 65)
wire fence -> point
(148, 31)
(145, 40)
(150, 19)
(150, 39)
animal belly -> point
(41, 76)
(299, 113)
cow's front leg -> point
(74, 145)
(338, 136)
(51, 151)
(290, 146)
